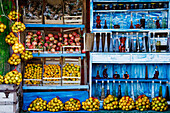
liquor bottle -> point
(97, 90)
(132, 92)
(143, 43)
(140, 44)
(167, 92)
(98, 25)
(108, 90)
(116, 76)
(117, 43)
(142, 22)
(156, 73)
(105, 25)
(168, 43)
(94, 45)
(105, 75)
(164, 22)
(158, 44)
(148, 23)
(122, 20)
(103, 93)
(160, 89)
(153, 90)
(137, 41)
(100, 43)
(131, 25)
(133, 40)
(138, 26)
(138, 88)
(127, 48)
(105, 45)
(153, 44)
(111, 43)
(157, 23)
(119, 92)
(114, 89)
(146, 73)
(153, 25)
(97, 76)
(126, 76)
(126, 89)
(111, 22)
(151, 22)
(122, 43)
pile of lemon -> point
(14, 60)
(11, 39)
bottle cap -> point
(137, 81)
(125, 81)
(160, 82)
(119, 81)
(131, 81)
(102, 81)
(107, 81)
(113, 81)
(116, 33)
(96, 81)
(152, 81)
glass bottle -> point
(117, 43)
(126, 89)
(105, 25)
(168, 43)
(100, 43)
(153, 90)
(105, 45)
(153, 25)
(127, 48)
(142, 22)
(111, 24)
(97, 76)
(98, 25)
(138, 26)
(137, 41)
(97, 90)
(157, 23)
(122, 43)
(158, 44)
(133, 41)
(160, 89)
(140, 44)
(146, 73)
(114, 89)
(156, 73)
(151, 22)
(167, 92)
(164, 23)
(148, 23)
(138, 88)
(116, 76)
(105, 75)
(153, 44)
(131, 25)
(132, 92)
(119, 92)
(108, 90)
(94, 45)
(111, 43)
(126, 75)
(103, 93)
(121, 25)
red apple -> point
(53, 50)
(70, 35)
(77, 40)
(50, 35)
(34, 43)
(65, 40)
(28, 40)
(71, 50)
(34, 35)
(65, 43)
(47, 38)
(65, 35)
(28, 44)
(35, 39)
(39, 37)
(40, 43)
(57, 48)
(74, 33)
(77, 36)
(60, 39)
(30, 47)
(56, 36)
(78, 44)
(59, 44)
(38, 33)
(77, 49)
(28, 37)
(55, 41)
(59, 34)
(53, 46)
(83, 51)
(30, 33)
(46, 44)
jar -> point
(136, 6)
(99, 6)
(132, 6)
(106, 7)
(114, 7)
(145, 6)
(153, 5)
(160, 5)
(127, 6)
(165, 5)
(120, 6)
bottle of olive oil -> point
(103, 92)
(160, 89)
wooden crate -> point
(73, 20)
(73, 47)
(53, 21)
(32, 21)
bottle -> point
(153, 92)
(157, 23)
(98, 25)
(148, 23)
(140, 44)
(116, 76)
(127, 48)
(121, 25)
(108, 90)
(146, 73)
(105, 26)
(131, 25)
(126, 76)
(97, 90)
(153, 25)
(153, 44)
(97, 76)
(156, 73)
(105, 75)
(168, 43)
(164, 25)
(132, 92)
(111, 43)
(122, 43)
(138, 88)
(158, 44)
(126, 89)
(133, 40)
(117, 43)
(143, 43)
(105, 45)
(151, 22)
(142, 22)
(94, 45)
(119, 92)
(103, 93)
(160, 89)
(100, 43)
(137, 41)
(167, 92)
(111, 24)
(114, 89)
(138, 26)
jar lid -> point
(99, 4)
(153, 3)
(160, 3)
(120, 4)
(136, 4)
(144, 4)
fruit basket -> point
(53, 13)
(73, 12)
(52, 72)
(32, 12)
(34, 40)
(71, 71)
(53, 42)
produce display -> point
(55, 105)
(38, 105)
(110, 103)
(53, 42)
(18, 48)
(2, 27)
(91, 104)
(1, 79)
(33, 71)
(142, 103)
(159, 104)
(72, 105)
(71, 70)
(14, 60)
(13, 77)
(126, 103)
(34, 40)
(27, 55)
(52, 71)
(32, 82)
(18, 27)
(13, 15)
(11, 39)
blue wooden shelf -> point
(130, 0)
(55, 25)
(55, 87)
(133, 79)
(135, 10)
(59, 55)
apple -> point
(51, 44)
(28, 44)
(65, 43)
(65, 35)
(74, 33)
(65, 40)
(28, 40)
(47, 38)
(77, 40)
(40, 43)
(30, 33)
(73, 44)
(35, 35)
(57, 48)
(35, 39)
(55, 41)
(39, 37)
(50, 35)
(51, 38)
(77, 36)
(34, 43)
(71, 50)
(60, 39)
(54, 46)
(30, 47)
(83, 51)
(53, 50)
(28, 37)
(59, 34)
(77, 50)
(70, 35)
(78, 44)
(46, 44)
(56, 36)
(59, 44)
(38, 33)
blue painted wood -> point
(63, 95)
(130, 0)
(55, 87)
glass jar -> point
(160, 5)
(127, 6)
(153, 5)
(120, 6)
(136, 6)
(145, 6)
(106, 7)
(114, 6)
(99, 6)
